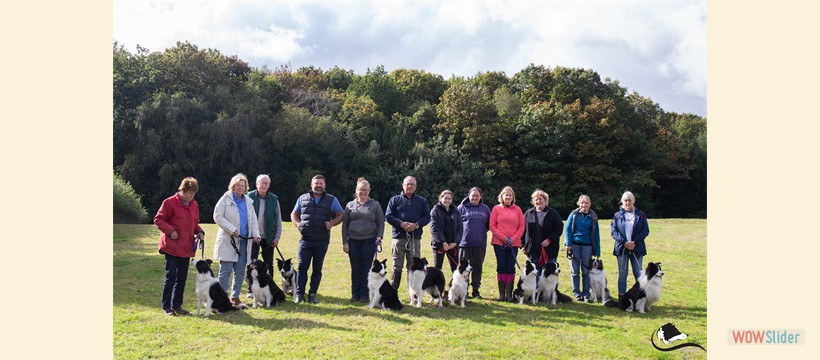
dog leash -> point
(441, 251)
(378, 249)
(233, 243)
(200, 243)
(512, 252)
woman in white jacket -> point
(237, 223)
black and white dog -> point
(597, 283)
(209, 293)
(645, 292)
(286, 269)
(265, 291)
(460, 283)
(548, 282)
(418, 271)
(381, 292)
(526, 289)
(434, 285)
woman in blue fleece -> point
(475, 220)
(583, 241)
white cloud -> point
(655, 48)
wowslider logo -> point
(767, 337)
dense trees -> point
(195, 112)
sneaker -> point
(587, 299)
(312, 299)
(298, 299)
(180, 311)
(476, 294)
(168, 311)
(354, 298)
(579, 298)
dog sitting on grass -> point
(210, 293)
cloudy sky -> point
(656, 48)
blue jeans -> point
(579, 269)
(310, 250)
(361, 258)
(176, 273)
(623, 266)
(237, 267)
(505, 259)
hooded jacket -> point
(475, 222)
(445, 225)
(173, 215)
(640, 230)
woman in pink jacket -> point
(507, 227)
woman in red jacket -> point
(178, 219)
(507, 226)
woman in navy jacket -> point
(445, 230)
(629, 230)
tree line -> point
(187, 111)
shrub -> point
(127, 205)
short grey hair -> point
(408, 177)
(262, 176)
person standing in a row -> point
(543, 230)
(475, 220)
(235, 216)
(408, 213)
(629, 230)
(178, 220)
(314, 214)
(583, 241)
(266, 207)
(445, 231)
(362, 228)
(507, 226)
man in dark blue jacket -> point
(407, 213)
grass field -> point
(336, 328)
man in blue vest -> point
(266, 205)
(408, 213)
(314, 214)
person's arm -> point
(164, 213)
(436, 232)
(219, 217)
(336, 208)
(496, 233)
(379, 221)
(390, 214)
(597, 239)
(295, 218)
(278, 235)
(616, 233)
(519, 232)
(425, 215)
(568, 234)
(640, 237)
(345, 225)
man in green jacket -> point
(266, 205)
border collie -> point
(460, 283)
(645, 292)
(418, 271)
(526, 288)
(434, 285)
(265, 291)
(209, 293)
(381, 292)
(548, 283)
(286, 269)
(597, 283)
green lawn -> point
(336, 328)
